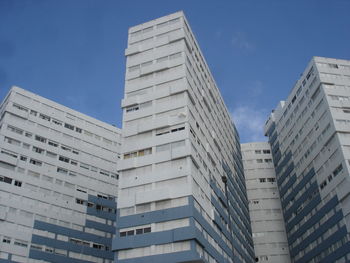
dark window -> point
(122, 234)
(18, 183)
(139, 231)
(147, 230)
(130, 232)
(63, 159)
(68, 126)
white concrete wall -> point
(39, 191)
(269, 234)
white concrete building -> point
(269, 234)
(310, 138)
(179, 143)
(58, 182)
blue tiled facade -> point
(300, 221)
(191, 232)
(54, 243)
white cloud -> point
(240, 40)
(250, 123)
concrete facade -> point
(58, 182)
(178, 144)
(310, 136)
(269, 234)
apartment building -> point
(182, 194)
(269, 234)
(58, 182)
(309, 135)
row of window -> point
(51, 154)
(8, 180)
(138, 153)
(149, 29)
(137, 231)
(267, 180)
(97, 206)
(60, 123)
(158, 60)
(333, 65)
(262, 151)
(330, 177)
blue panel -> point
(100, 226)
(340, 252)
(155, 216)
(71, 247)
(106, 215)
(276, 157)
(71, 232)
(154, 238)
(313, 203)
(285, 174)
(7, 261)
(184, 256)
(319, 232)
(314, 219)
(291, 180)
(54, 258)
(273, 138)
(297, 203)
(324, 245)
(102, 201)
(300, 185)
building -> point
(269, 234)
(309, 135)
(179, 148)
(58, 182)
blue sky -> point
(73, 51)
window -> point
(130, 232)
(66, 148)
(44, 117)
(63, 159)
(338, 170)
(259, 160)
(5, 179)
(6, 240)
(17, 106)
(40, 139)
(262, 180)
(57, 122)
(20, 243)
(18, 183)
(61, 170)
(132, 108)
(79, 201)
(78, 130)
(35, 162)
(266, 151)
(68, 126)
(257, 151)
(15, 129)
(54, 144)
(84, 166)
(38, 150)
